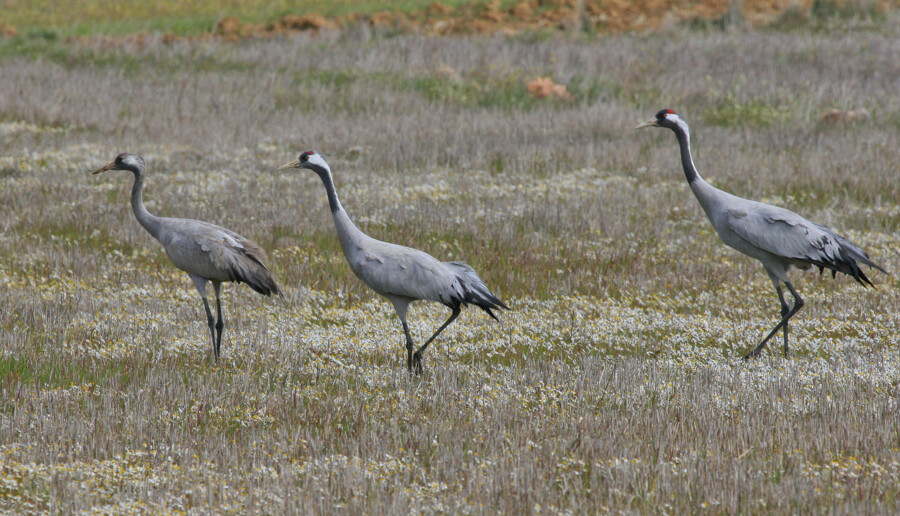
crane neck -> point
(333, 202)
(348, 233)
(687, 162)
(707, 195)
(150, 222)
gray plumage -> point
(208, 253)
(780, 239)
(401, 274)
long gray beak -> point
(111, 166)
(649, 123)
(293, 164)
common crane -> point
(778, 238)
(401, 274)
(208, 253)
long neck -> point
(150, 222)
(706, 194)
(333, 202)
(348, 233)
(687, 162)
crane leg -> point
(200, 283)
(417, 356)
(784, 311)
(798, 304)
(401, 304)
(220, 319)
(409, 347)
(212, 331)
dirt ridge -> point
(591, 16)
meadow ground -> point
(614, 383)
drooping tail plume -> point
(474, 291)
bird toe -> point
(417, 361)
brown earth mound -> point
(604, 16)
(543, 87)
(305, 22)
(7, 31)
(834, 116)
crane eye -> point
(304, 157)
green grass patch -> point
(636, 95)
(185, 18)
(50, 45)
(52, 375)
(73, 234)
(506, 91)
(586, 90)
(479, 90)
(338, 79)
(847, 9)
(823, 14)
(35, 44)
(729, 111)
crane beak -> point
(111, 166)
(649, 123)
(293, 164)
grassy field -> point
(262, 18)
(197, 17)
(178, 16)
(613, 385)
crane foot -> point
(417, 361)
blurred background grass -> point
(189, 17)
(197, 17)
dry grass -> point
(613, 385)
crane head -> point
(311, 160)
(124, 161)
(664, 118)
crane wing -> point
(216, 253)
(783, 233)
(397, 271)
(225, 246)
(391, 269)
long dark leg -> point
(401, 304)
(784, 311)
(220, 320)
(200, 284)
(798, 303)
(417, 357)
(409, 347)
(212, 331)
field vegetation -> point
(255, 18)
(613, 385)
(182, 17)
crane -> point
(780, 239)
(401, 274)
(208, 253)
